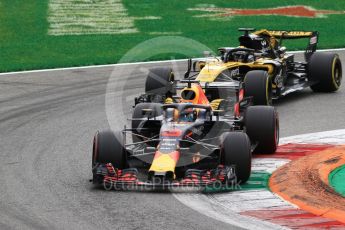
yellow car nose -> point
(164, 162)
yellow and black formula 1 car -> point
(185, 144)
(262, 64)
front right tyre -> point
(108, 147)
(236, 151)
(262, 126)
(160, 81)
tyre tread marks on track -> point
(304, 182)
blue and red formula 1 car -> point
(186, 143)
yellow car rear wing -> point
(291, 34)
(281, 34)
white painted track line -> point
(226, 207)
(133, 63)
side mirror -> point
(245, 102)
(207, 53)
(147, 112)
(218, 113)
(282, 51)
(176, 98)
(198, 65)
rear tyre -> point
(109, 147)
(326, 71)
(138, 114)
(160, 81)
(262, 126)
(236, 150)
(258, 84)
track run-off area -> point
(47, 122)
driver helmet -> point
(250, 58)
(189, 115)
(169, 114)
(240, 56)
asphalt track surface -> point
(47, 122)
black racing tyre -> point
(108, 147)
(262, 126)
(138, 113)
(258, 84)
(236, 150)
(326, 71)
(160, 81)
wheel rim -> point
(94, 150)
(276, 132)
(269, 91)
(337, 74)
(172, 77)
(171, 81)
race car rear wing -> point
(312, 35)
(292, 34)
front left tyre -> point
(258, 85)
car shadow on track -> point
(298, 96)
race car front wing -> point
(194, 179)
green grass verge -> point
(257, 180)
(337, 180)
(25, 43)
